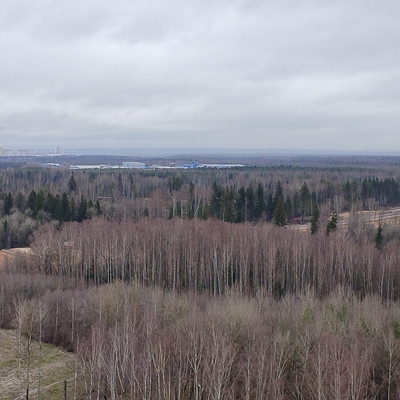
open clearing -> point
(13, 255)
(56, 366)
(390, 217)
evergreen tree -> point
(120, 185)
(82, 210)
(72, 184)
(175, 183)
(250, 205)
(379, 238)
(50, 204)
(229, 205)
(240, 205)
(39, 201)
(191, 201)
(279, 216)
(217, 201)
(347, 195)
(278, 193)
(305, 198)
(19, 202)
(57, 208)
(72, 209)
(332, 224)
(314, 219)
(8, 204)
(178, 209)
(31, 202)
(288, 208)
(296, 204)
(260, 201)
(97, 208)
(270, 207)
(65, 211)
(4, 235)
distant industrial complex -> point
(53, 159)
(143, 166)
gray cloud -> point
(170, 73)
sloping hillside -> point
(56, 366)
(13, 255)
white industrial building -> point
(133, 164)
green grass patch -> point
(56, 366)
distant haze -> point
(288, 75)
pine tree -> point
(217, 201)
(250, 206)
(240, 205)
(288, 208)
(72, 184)
(31, 202)
(65, 211)
(260, 201)
(278, 193)
(270, 207)
(82, 210)
(305, 200)
(8, 204)
(314, 219)
(279, 216)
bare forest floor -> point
(56, 366)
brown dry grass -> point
(12, 255)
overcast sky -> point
(284, 74)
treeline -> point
(21, 218)
(61, 208)
(30, 197)
(249, 204)
(214, 257)
(135, 342)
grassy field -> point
(56, 366)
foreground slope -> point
(56, 366)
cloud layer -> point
(172, 73)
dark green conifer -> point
(379, 238)
(279, 216)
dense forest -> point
(207, 284)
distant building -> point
(194, 165)
(221, 166)
(50, 165)
(101, 166)
(133, 164)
